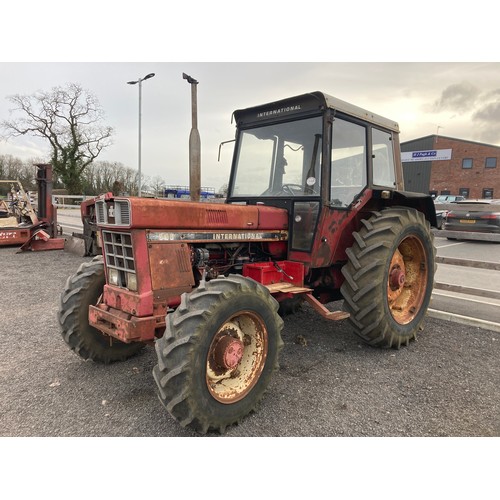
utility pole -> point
(194, 144)
(139, 81)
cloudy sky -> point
(395, 70)
(462, 99)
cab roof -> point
(304, 104)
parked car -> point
(478, 216)
(448, 198)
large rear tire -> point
(218, 353)
(82, 290)
(389, 277)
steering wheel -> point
(289, 188)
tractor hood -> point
(148, 213)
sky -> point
(392, 60)
(455, 99)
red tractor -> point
(315, 211)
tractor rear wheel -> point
(218, 353)
(82, 290)
(389, 276)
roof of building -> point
(451, 139)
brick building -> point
(444, 165)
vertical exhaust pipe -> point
(194, 145)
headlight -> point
(132, 281)
(113, 277)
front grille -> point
(116, 213)
(122, 208)
(119, 254)
(100, 212)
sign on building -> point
(430, 155)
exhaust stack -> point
(194, 145)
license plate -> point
(467, 221)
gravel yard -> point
(329, 385)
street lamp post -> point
(139, 81)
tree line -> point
(69, 119)
(97, 178)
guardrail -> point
(60, 200)
(494, 266)
(483, 293)
(468, 235)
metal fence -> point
(69, 201)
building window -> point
(446, 191)
(467, 163)
(433, 193)
(487, 193)
(463, 192)
(490, 163)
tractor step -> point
(307, 293)
(323, 311)
(287, 288)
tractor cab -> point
(318, 157)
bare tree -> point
(12, 168)
(157, 185)
(223, 191)
(130, 179)
(69, 118)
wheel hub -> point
(396, 278)
(228, 352)
(407, 280)
(236, 357)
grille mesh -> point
(115, 213)
(122, 208)
(119, 254)
(100, 212)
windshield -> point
(279, 160)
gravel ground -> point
(330, 384)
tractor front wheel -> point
(82, 290)
(218, 353)
(389, 276)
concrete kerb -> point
(464, 320)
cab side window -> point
(348, 168)
(383, 159)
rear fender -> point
(421, 202)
